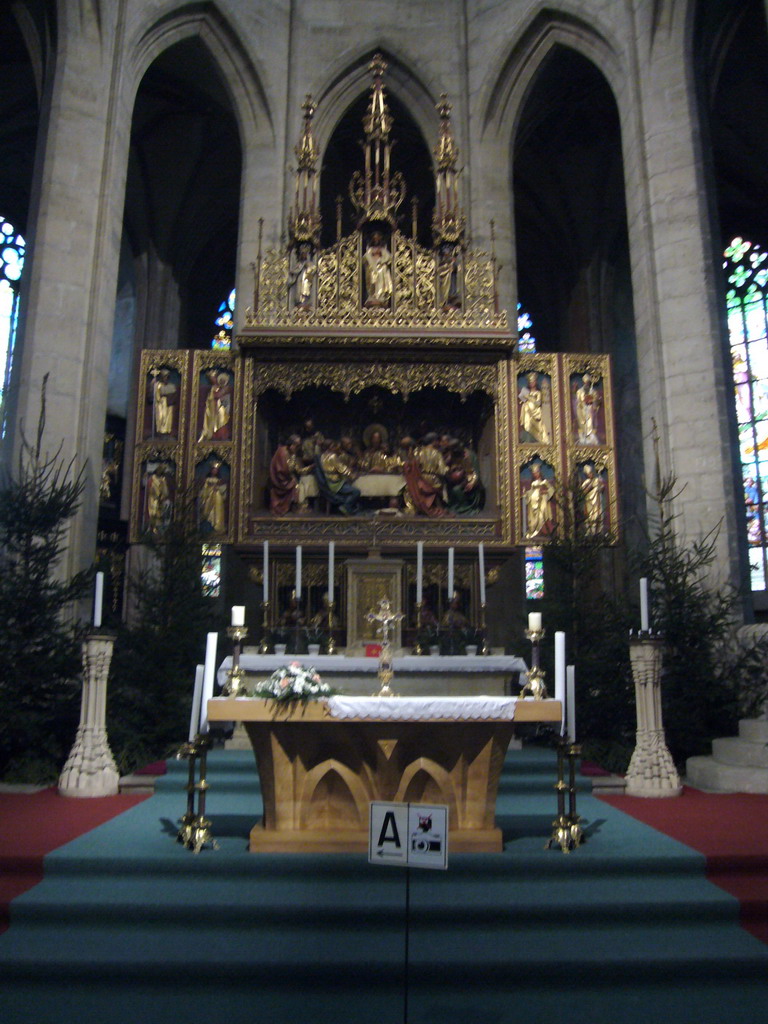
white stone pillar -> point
(651, 770)
(90, 769)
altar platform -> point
(321, 764)
(415, 675)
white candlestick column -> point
(644, 619)
(560, 667)
(98, 599)
(570, 702)
(210, 667)
(298, 572)
(265, 584)
(419, 570)
(481, 570)
(450, 574)
(331, 568)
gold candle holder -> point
(195, 831)
(236, 674)
(535, 684)
(418, 649)
(331, 641)
(567, 832)
(484, 648)
(264, 645)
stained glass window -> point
(746, 267)
(525, 339)
(225, 321)
(12, 249)
(211, 574)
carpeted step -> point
(708, 774)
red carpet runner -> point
(32, 825)
(730, 829)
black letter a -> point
(389, 823)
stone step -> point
(736, 750)
(754, 730)
(710, 775)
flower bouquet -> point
(293, 683)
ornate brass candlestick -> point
(236, 675)
(417, 648)
(484, 648)
(567, 832)
(535, 685)
(386, 619)
(195, 829)
(264, 645)
(331, 641)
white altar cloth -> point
(404, 709)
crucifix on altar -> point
(385, 619)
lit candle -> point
(265, 585)
(238, 614)
(331, 558)
(570, 702)
(644, 604)
(534, 622)
(210, 665)
(197, 694)
(560, 667)
(298, 572)
(481, 570)
(450, 574)
(419, 570)
(98, 599)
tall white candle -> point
(98, 599)
(570, 702)
(197, 695)
(481, 570)
(298, 572)
(265, 585)
(210, 667)
(238, 614)
(419, 570)
(331, 567)
(534, 622)
(644, 604)
(560, 667)
(450, 574)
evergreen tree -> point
(39, 645)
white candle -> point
(534, 622)
(331, 560)
(570, 702)
(265, 585)
(481, 570)
(98, 599)
(419, 570)
(298, 572)
(644, 604)
(197, 694)
(210, 665)
(238, 614)
(560, 667)
(450, 574)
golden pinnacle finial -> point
(377, 193)
(446, 151)
(377, 121)
(304, 217)
(306, 151)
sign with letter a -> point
(411, 835)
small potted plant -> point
(316, 637)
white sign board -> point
(409, 835)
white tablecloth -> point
(403, 709)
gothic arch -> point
(508, 84)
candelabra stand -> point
(195, 829)
(418, 649)
(236, 674)
(651, 769)
(567, 832)
(264, 645)
(90, 769)
(484, 648)
(535, 685)
(331, 642)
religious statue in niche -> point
(212, 502)
(302, 275)
(377, 261)
(588, 411)
(284, 472)
(162, 399)
(535, 400)
(158, 480)
(448, 296)
(592, 491)
(538, 492)
(335, 472)
(216, 401)
(111, 463)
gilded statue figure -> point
(425, 471)
(376, 457)
(447, 278)
(162, 396)
(304, 278)
(592, 492)
(378, 272)
(213, 500)
(532, 419)
(587, 405)
(538, 501)
(218, 408)
(158, 499)
(284, 470)
(335, 474)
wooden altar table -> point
(323, 763)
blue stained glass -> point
(225, 321)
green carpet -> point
(129, 926)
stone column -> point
(90, 769)
(651, 770)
